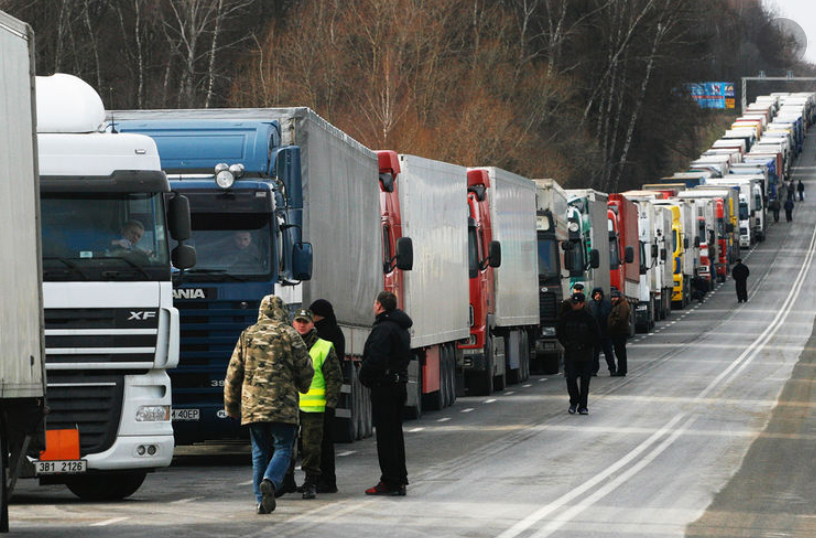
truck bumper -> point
(547, 346)
(474, 362)
(124, 454)
(643, 317)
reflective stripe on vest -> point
(314, 401)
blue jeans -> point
(267, 436)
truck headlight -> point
(153, 413)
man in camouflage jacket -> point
(269, 366)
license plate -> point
(59, 467)
(186, 414)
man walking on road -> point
(327, 329)
(578, 332)
(384, 370)
(789, 209)
(268, 367)
(618, 327)
(800, 188)
(324, 393)
(740, 273)
(775, 207)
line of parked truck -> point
(134, 342)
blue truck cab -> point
(245, 194)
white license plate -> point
(60, 466)
(186, 414)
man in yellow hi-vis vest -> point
(324, 392)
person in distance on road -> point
(323, 394)
(328, 329)
(618, 327)
(789, 209)
(800, 188)
(384, 370)
(566, 304)
(578, 332)
(740, 273)
(601, 307)
(775, 207)
(268, 367)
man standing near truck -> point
(618, 327)
(601, 307)
(323, 394)
(268, 367)
(328, 329)
(384, 370)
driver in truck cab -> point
(132, 232)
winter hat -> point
(322, 307)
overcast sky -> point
(803, 12)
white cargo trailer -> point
(22, 373)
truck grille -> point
(547, 306)
(209, 331)
(117, 338)
(91, 403)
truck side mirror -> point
(183, 257)
(405, 254)
(753, 212)
(568, 265)
(566, 246)
(629, 254)
(663, 254)
(178, 218)
(685, 242)
(729, 228)
(595, 258)
(302, 257)
(697, 242)
(494, 254)
(654, 251)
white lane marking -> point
(444, 419)
(527, 386)
(414, 430)
(247, 483)
(467, 410)
(345, 453)
(109, 521)
(542, 380)
(491, 400)
(509, 393)
(734, 368)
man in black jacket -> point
(327, 329)
(384, 370)
(578, 332)
(740, 273)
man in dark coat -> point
(740, 273)
(384, 370)
(601, 307)
(327, 329)
(789, 209)
(800, 188)
(775, 207)
(618, 327)
(578, 332)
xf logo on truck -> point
(142, 316)
(187, 294)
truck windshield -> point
(743, 211)
(547, 258)
(104, 236)
(231, 247)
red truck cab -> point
(483, 255)
(624, 247)
(391, 222)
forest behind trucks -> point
(22, 371)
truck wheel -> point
(415, 412)
(481, 383)
(451, 376)
(106, 486)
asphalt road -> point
(710, 434)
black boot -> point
(309, 489)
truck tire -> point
(415, 412)
(481, 383)
(106, 486)
(345, 428)
(451, 376)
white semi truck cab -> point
(111, 331)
